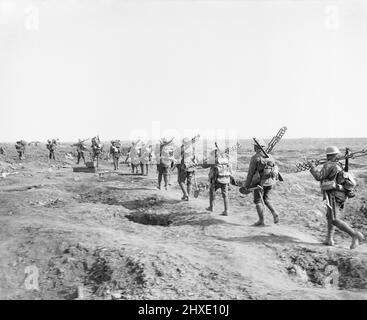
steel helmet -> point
(260, 141)
(332, 150)
(186, 140)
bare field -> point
(118, 237)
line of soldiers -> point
(337, 185)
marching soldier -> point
(115, 152)
(80, 149)
(134, 155)
(262, 173)
(20, 147)
(145, 157)
(335, 196)
(51, 146)
(186, 167)
(219, 178)
(165, 160)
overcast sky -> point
(73, 69)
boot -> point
(260, 212)
(226, 206)
(273, 211)
(357, 238)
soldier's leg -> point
(159, 179)
(165, 177)
(329, 241)
(189, 177)
(269, 205)
(146, 169)
(259, 208)
(83, 157)
(142, 168)
(224, 189)
(356, 236)
(181, 178)
(211, 197)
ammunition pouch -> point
(328, 185)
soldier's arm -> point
(251, 172)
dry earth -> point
(118, 237)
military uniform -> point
(80, 150)
(164, 163)
(145, 157)
(115, 152)
(134, 158)
(20, 147)
(186, 168)
(262, 172)
(335, 197)
(219, 178)
(51, 145)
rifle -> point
(276, 139)
(266, 155)
(307, 165)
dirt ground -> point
(119, 237)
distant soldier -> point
(262, 173)
(145, 158)
(165, 159)
(134, 155)
(186, 167)
(97, 149)
(80, 150)
(20, 147)
(219, 178)
(115, 152)
(51, 146)
(2, 151)
(332, 178)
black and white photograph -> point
(195, 152)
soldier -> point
(20, 147)
(51, 146)
(115, 152)
(134, 155)
(2, 151)
(165, 160)
(145, 158)
(97, 149)
(263, 173)
(335, 195)
(80, 149)
(219, 178)
(186, 167)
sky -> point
(121, 69)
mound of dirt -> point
(81, 273)
(323, 269)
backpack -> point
(187, 158)
(223, 170)
(268, 170)
(165, 156)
